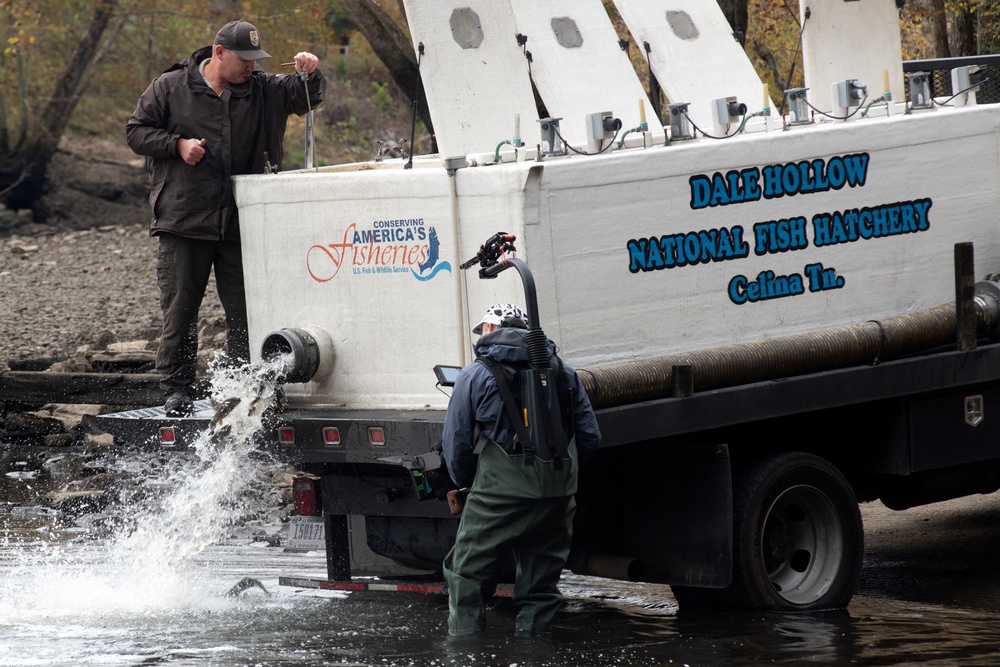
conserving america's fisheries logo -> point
(380, 247)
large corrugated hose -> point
(773, 358)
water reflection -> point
(77, 610)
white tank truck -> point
(776, 316)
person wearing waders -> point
(518, 501)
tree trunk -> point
(965, 32)
(22, 175)
(22, 172)
(939, 29)
(736, 13)
(741, 17)
(393, 47)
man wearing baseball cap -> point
(520, 499)
(201, 122)
(242, 38)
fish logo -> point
(254, 38)
(433, 247)
(433, 254)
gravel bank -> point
(86, 277)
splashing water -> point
(205, 503)
(147, 567)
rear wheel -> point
(797, 539)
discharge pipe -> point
(307, 352)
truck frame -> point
(772, 327)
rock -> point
(59, 440)
(23, 249)
(77, 502)
(33, 363)
(123, 361)
(211, 327)
(104, 481)
(270, 539)
(63, 467)
(98, 440)
(71, 416)
(76, 364)
(27, 426)
(105, 339)
(278, 514)
(130, 346)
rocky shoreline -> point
(78, 294)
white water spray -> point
(147, 568)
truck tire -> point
(798, 541)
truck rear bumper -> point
(375, 585)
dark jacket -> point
(238, 126)
(475, 401)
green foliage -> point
(338, 18)
(151, 35)
(989, 27)
(30, 33)
(381, 97)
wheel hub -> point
(802, 544)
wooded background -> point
(79, 66)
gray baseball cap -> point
(241, 38)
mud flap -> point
(338, 547)
(681, 526)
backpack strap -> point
(511, 409)
(557, 439)
(566, 397)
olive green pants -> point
(512, 507)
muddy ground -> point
(85, 277)
(78, 284)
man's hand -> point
(191, 150)
(306, 62)
(456, 500)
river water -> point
(151, 587)
(73, 605)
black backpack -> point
(542, 419)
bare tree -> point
(736, 12)
(939, 29)
(964, 26)
(393, 47)
(23, 165)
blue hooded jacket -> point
(475, 401)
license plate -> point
(306, 533)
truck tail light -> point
(168, 436)
(305, 494)
(331, 435)
(376, 436)
(286, 435)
